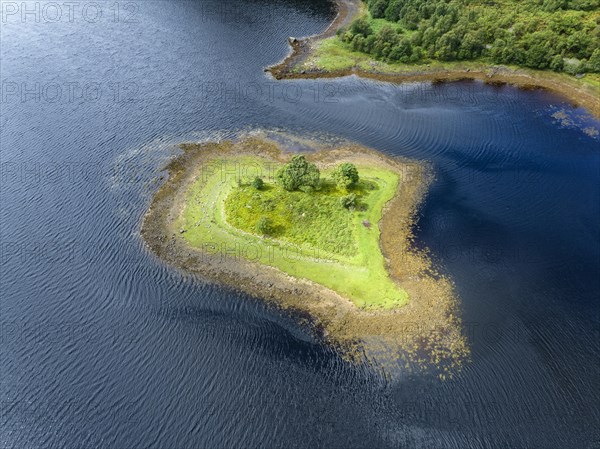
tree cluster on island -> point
(560, 35)
(299, 174)
(302, 175)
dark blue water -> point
(103, 346)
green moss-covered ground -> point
(314, 237)
(316, 218)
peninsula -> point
(555, 46)
(324, 234)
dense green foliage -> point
(560, 35)
(298, 174)
(345, 175)
(258, 183)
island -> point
(324, 234)
(550, 44)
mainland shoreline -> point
(347, 10)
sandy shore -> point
(301, 49)
(425, 333)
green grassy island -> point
(311, 236)
(326, 234)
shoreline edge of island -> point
(425, 333)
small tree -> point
(298, 173)
(361, 26)
(378, 8)
(345, 175)
(264, 226)
(557, 63)
(258, 183)
(348, 201)
(593, 65)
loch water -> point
(103, 346)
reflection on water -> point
(102, 346)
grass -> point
(331, 54)
(314, 239)
(316, 218)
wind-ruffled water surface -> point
(104, 346)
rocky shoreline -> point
(427, 332)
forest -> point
(558, 35)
